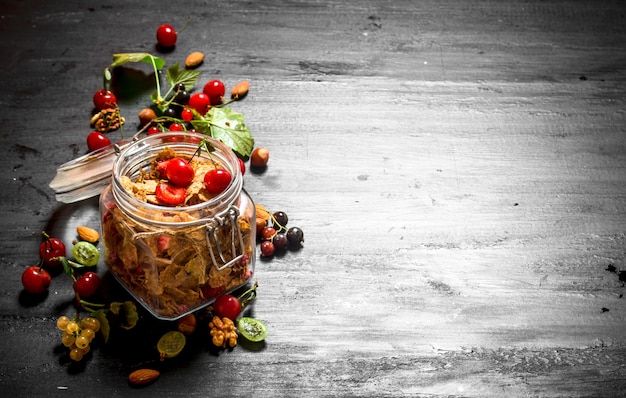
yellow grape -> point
(68, 339)
(72, 327)
(76, 354)
(90, 323)
(88, 333)
(62, 322)
(81, 342)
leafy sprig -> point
(220, 122)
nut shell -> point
(143, 376)
(87, 234)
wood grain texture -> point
(458, 168)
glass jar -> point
(176, 260)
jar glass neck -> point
(139, 157)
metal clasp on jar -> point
(217, 246)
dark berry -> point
(280, 241)
(295, 236)
(280, 221)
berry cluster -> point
(274, 234)
(78, 335)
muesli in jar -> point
(177, 259)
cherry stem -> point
(248, 296)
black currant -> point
(280, 241)
(280, 220)
(295, 236)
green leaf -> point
(121, 59)
(131, 316)
(175, 75)
(229, 127)
(105, 328)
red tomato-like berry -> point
(87, 285)
(97, 140)
(176, 127)
(227, 306)
(200, 102)
(179, 172)
(104, 99)
(170, 194)
(217, 180)
(50, 248)
(215, 89)
(35, 280)
(186, 114)
(166, 35)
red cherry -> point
(217, 180)
(50, 248)
(104, 99)
(215, 89)
(186, 114)
(227, 306)
(97, 140)
(153, 130)
(36, 280)
(200, 102)
(179, 172)
(166, 35)
(87, 285)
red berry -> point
(217, 180)
(166, 35)
(50, 248)
(87, 285)
(169, 194)
(227, 306)
(36, 280)
(176, 127)
(97, 140)
(267, 248)
(179, 172)
(242, 166)
(215, 89)
(268, 233)
(200, 102)
(104, 99)
(186, 114)
(153, 130)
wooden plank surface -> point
(458, 168)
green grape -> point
(81, 342)
(62, 322)
(76, 354)
(171, 344)
(68, 339)
(86, 253)
(252, 329)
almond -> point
(88, 234)
(143, 376)
(240, 89)
(194, 59)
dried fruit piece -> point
(187, 324)
(194, 59)
(87, 234)
(143, 376)
(240, 89)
